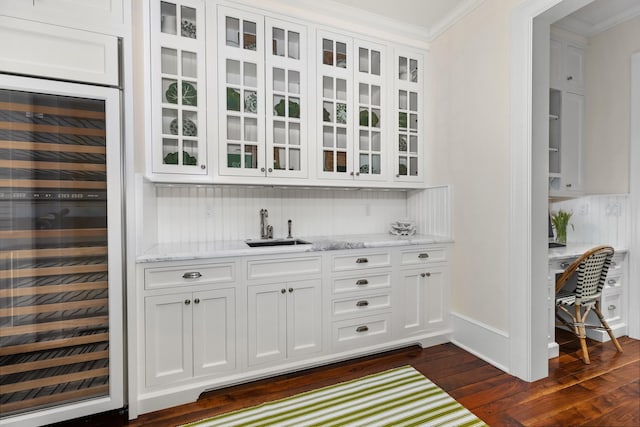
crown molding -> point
(588, 30)
(453, 18)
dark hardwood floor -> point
(605, 393)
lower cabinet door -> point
(267, 323)
(423, 298)
(214, 331)
(168, 334)
(304, 318)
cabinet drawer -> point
(423, 256)
(356, 333)
(611, 306)
(361, 304)
(164, 277)
(613, 283)
(362, 282)
(361, 261)
(267, 268)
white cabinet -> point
(566, 117)
(263, 96)
(410, 116)
(567, 65)
(97, 16)
(352, 106)
(189, 335)
(177, 87)
(423, 291)
(284, 321)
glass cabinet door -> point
(286, 89)
(409, 138)
(334, 105)
(178, 87)
(370, 99)
(241, 90)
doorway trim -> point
(633, 315)
(528, 261)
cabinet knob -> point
(564, 265)
(283, 291)
(270, 170)
(357, 173)
(290, 290)
(262, 169)
(196, 301)
(187, 302)
(362, 282)
(427, 274)
(362, 303)
(191, 275)
(203, 166)
(351, 173)
(569, 185)
(569, 77)
(423, 256)
(362, 329)
(612, 307)
(611, 281)
(362, 261)
(397, 175)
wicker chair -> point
(591, 269)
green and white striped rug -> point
(398, 397)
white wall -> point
(607, 94)
(469, 148)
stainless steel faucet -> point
(266, 230)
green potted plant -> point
(560, 220)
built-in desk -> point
(612, 301)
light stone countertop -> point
(573, 250)
(233, 248)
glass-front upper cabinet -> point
(351, 103)
(334, 105)
(178, 87)
(370, 100)
(241, 115)
(286, 88)
(410, 114)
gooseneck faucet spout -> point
(266, 230)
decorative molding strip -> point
(483, 341)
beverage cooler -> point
(61, 329)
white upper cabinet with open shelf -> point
(294, 102)
(177, 87)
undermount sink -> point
(276, 242)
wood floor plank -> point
(604, 393)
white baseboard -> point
(483, 341)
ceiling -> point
(433, 17)
(598, 16)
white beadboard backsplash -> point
(205, 213)
(600, 219)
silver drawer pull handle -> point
(612, 307)
(564, 265)
(362, 303)
(611, 281)
(191, 275)
(362, 329)
(423, 256)
(362, 282)
(362, 260)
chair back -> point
(591, 269)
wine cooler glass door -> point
(60, 268)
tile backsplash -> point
(599, 219)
